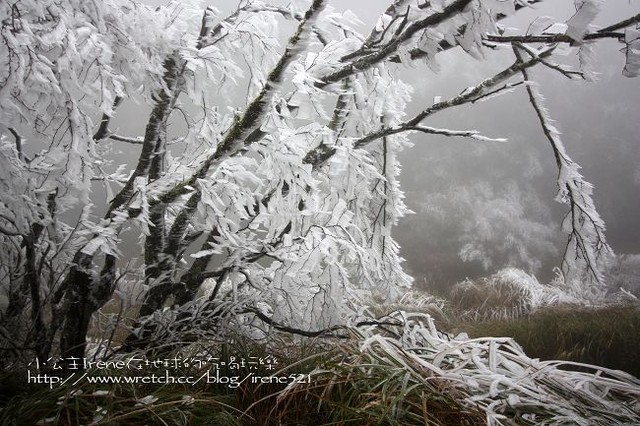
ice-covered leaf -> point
(632, 53)
(578, 24)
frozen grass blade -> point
(492, 376)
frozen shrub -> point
(624, 273)
(508, 293)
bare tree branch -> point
(133, 141)
(315, 333)
(473, 134)
(622, 24)
(103, 130)
(469, 95)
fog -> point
(455, 187)
(599, 122)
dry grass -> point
(405, 372)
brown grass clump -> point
(355, 388)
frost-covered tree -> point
(275, 212)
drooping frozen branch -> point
(587, 251)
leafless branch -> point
(470, 95)
(133, 141)
(473, 134)
(622, 24)
(550, 38)
(567, 73)
(103, 130)
(316, 333)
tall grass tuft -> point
(367, 388)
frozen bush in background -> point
(508, 293)
(624, 273)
